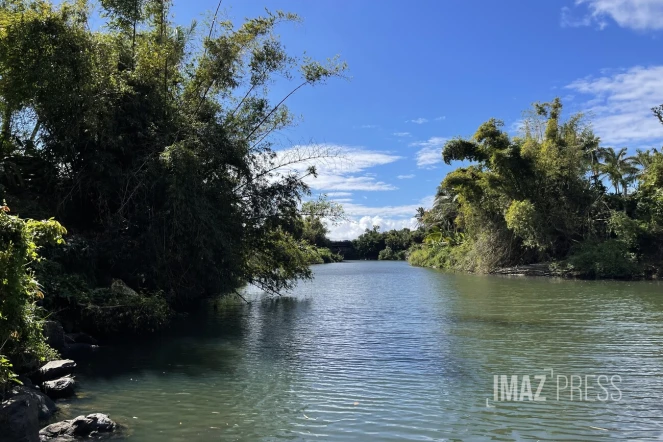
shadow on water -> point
(208, 340)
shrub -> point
(21, 338)
(608, 259)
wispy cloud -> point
(406, 177)
(442, 118)
(369, 126)
(346, 171)
(620, 104)
(401, 134)
(633, 14)
(419, 120)
(339, 194)
(430, 153)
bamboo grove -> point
(151, 143)
(552, 194)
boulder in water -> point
(45, 405)
(59, 388)
(82, 427)
(55, 370)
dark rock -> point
(59, 388)
(79, 338)
(54, 334)
(45, 406)
(19, 420)
(55, 370)
(80, 427)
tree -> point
(539, 197)
(618, 168)
(155, 147)
(369, 244)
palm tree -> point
(641, 161)
(618, 168)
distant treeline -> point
(391, 245)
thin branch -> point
(275, 108)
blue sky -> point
(424, 71)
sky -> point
(424, 71)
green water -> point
(383, 351)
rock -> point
(118, 287)
(54, 334)
(19, 420)
(59, 388)
(45, 405)
(80, 427)
(55, 370)
(79, 338)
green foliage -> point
(369, 244)
(322, 255)
(542, 197)
(21, 338)
(153, 145)
(521, 218)
(608, 259)
(390, 245)
(7, 375)
(388, 254)
(315, 232)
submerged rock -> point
(59, 388)
(96, 424)
(55, 370)
(45, 405)
(19, 419)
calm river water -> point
(384, 351)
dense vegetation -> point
(391, 245)
(151, 143)
(553, 194)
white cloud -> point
(344, 171)
(442, 118)
(387, 217)
(634, 14)
(620, 104)
(401, 134)
(406, 177)
(430, 152)
(419, 120)
(369, 126)
(351, 230)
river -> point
(384, 351)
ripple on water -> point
(384, 351)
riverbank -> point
(547, 269)
(28, 408)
